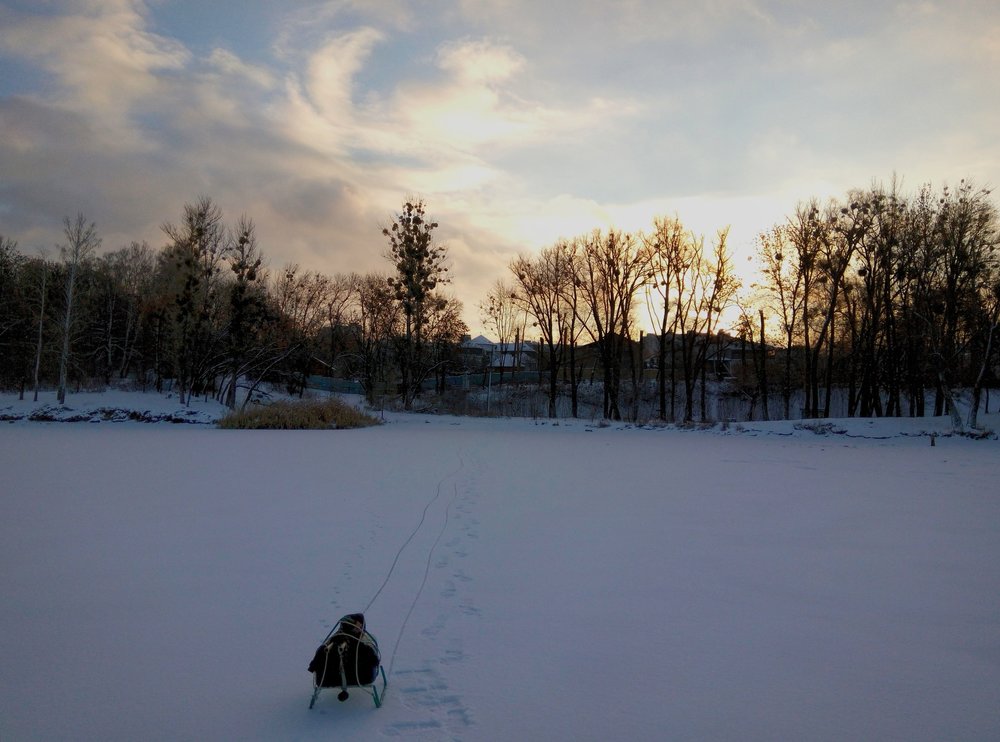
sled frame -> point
(373, 690)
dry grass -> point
(325, 414)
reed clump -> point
(315, 414)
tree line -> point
(204, 316)
(879, 297)
(886, 296)
(584, 295)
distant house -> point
(724, 356)
(474, 353)
(480, 354)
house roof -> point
(479, 341)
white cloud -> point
(306, 25)
(227, 63)
(101, 56)
(319, 112)
(432, 136)
(331, 70)
(481, 61)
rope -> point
(413, 533)
(427, 569)
(388, 576)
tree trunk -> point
(949, 397)
(977, 387)
(763, 369)
(41, 325)
(67, 328)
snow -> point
(571, 581)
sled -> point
(348, 658)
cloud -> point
(307, 25)
(464, 114)
(519, 122)
(228, 64)
(429, 134)
(465, 110)
(101, 58)
(480, 61)
(567, 23)
(331, 70)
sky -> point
(517, 122)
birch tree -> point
(81, 242)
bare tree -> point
(444, 331)
(754, 387)
(895, 296)
(300, 301)
(43, 269)
(542, 286)
(783, 288)
(611, 268)
(376, 318)
(719, 290)
(705, 286)
(871, 231)
(135, 267)
(121, 281)
(81, 242)
(14, 321)
(10, 263)
(808, 232)
(340, 294)
(501, 313)
(916, 279)
(990, 325)
(966, 230)
(668, 246)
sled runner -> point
(348, 658)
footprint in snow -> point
(439, 713)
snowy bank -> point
(110, 406)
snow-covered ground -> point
(111, 406)
(563, 582)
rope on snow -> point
(427, 567)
